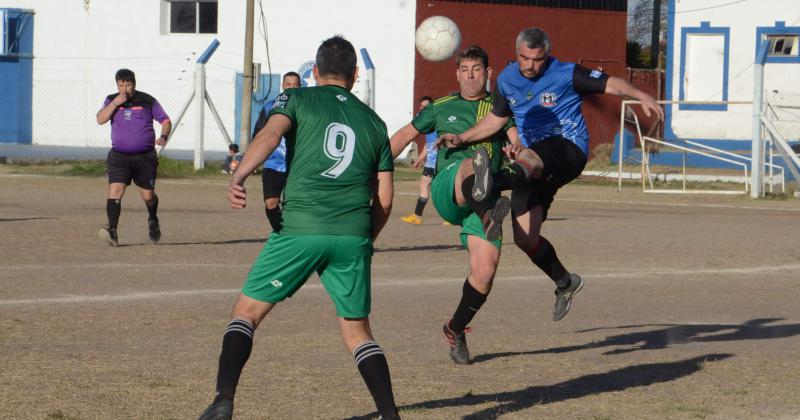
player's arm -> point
(488, 125)
(621, 87)
(402, 138)
(382, 201)
(262, 146)
(166, 128)
(514, 143)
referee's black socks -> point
(113, 209)
(152, 208)
(471, 302)
(236, 346)
(372, 365)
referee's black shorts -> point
(141, 168)
(563, 162)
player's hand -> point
(415, 164)
(120, 99)
(649, 105)
(161, 141)
(448, 140)
(237, 195)
(512, 150)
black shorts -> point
(272, 183)
(141, 168)
(563, 162)
(426, 171)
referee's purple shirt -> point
(132, 123)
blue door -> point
(16, 75)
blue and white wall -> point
(79, 45)
(710, 57)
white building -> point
(711, 52)
(78, 45)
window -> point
(705, 56)
(782, 45)
(193, 16)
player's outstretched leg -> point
(459, 352)
(237, 343)
(493, 218)
(567, 284)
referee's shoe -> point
(154, 229)
(221, 410)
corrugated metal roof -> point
(613, 5)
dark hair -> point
(426, 98)
(473, 52)
(125, 75)
(336, 57)
(291, 74)
(233, 147)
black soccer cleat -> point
(493, 218)
(154, 229)
(458, 344)
(564, 296)
(109, 235)
(483, 175)
(221, 410)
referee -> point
(132, 156)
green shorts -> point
(343, 263)
(444, 200)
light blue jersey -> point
(548, 105)
(430, 150)
(277, 160)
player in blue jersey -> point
(544, 97)
(428, 156)
(273, 177)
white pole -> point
(200, 93)
(757, 145)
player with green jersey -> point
(337, 198)
(455, 178)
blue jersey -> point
(549, 104)
(430, 150)
(277, 160)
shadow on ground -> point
(613, 381)
(668, 335)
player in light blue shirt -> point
(273, 177)
(427, 155)
(544, 97)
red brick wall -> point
(591, 37)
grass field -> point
(690, 311)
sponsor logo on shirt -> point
(512, 101)
(529, 96)
(127, 114)
(341, 97)
(548, 99)
(451, 118)
(276, 283)
(596, 74)
(280, 101)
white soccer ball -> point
(437, 38)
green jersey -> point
(455, 115)
(333, 151)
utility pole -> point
(654, 37)
(247, 78)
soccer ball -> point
(437, 38)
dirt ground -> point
(690, 310)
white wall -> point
(78, 50)
(742, 18)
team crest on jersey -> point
(280, 101)
(451, 118)
(341, 97)
(548, 99)
(306, 74)
(127, 114)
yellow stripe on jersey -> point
(444, 99)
